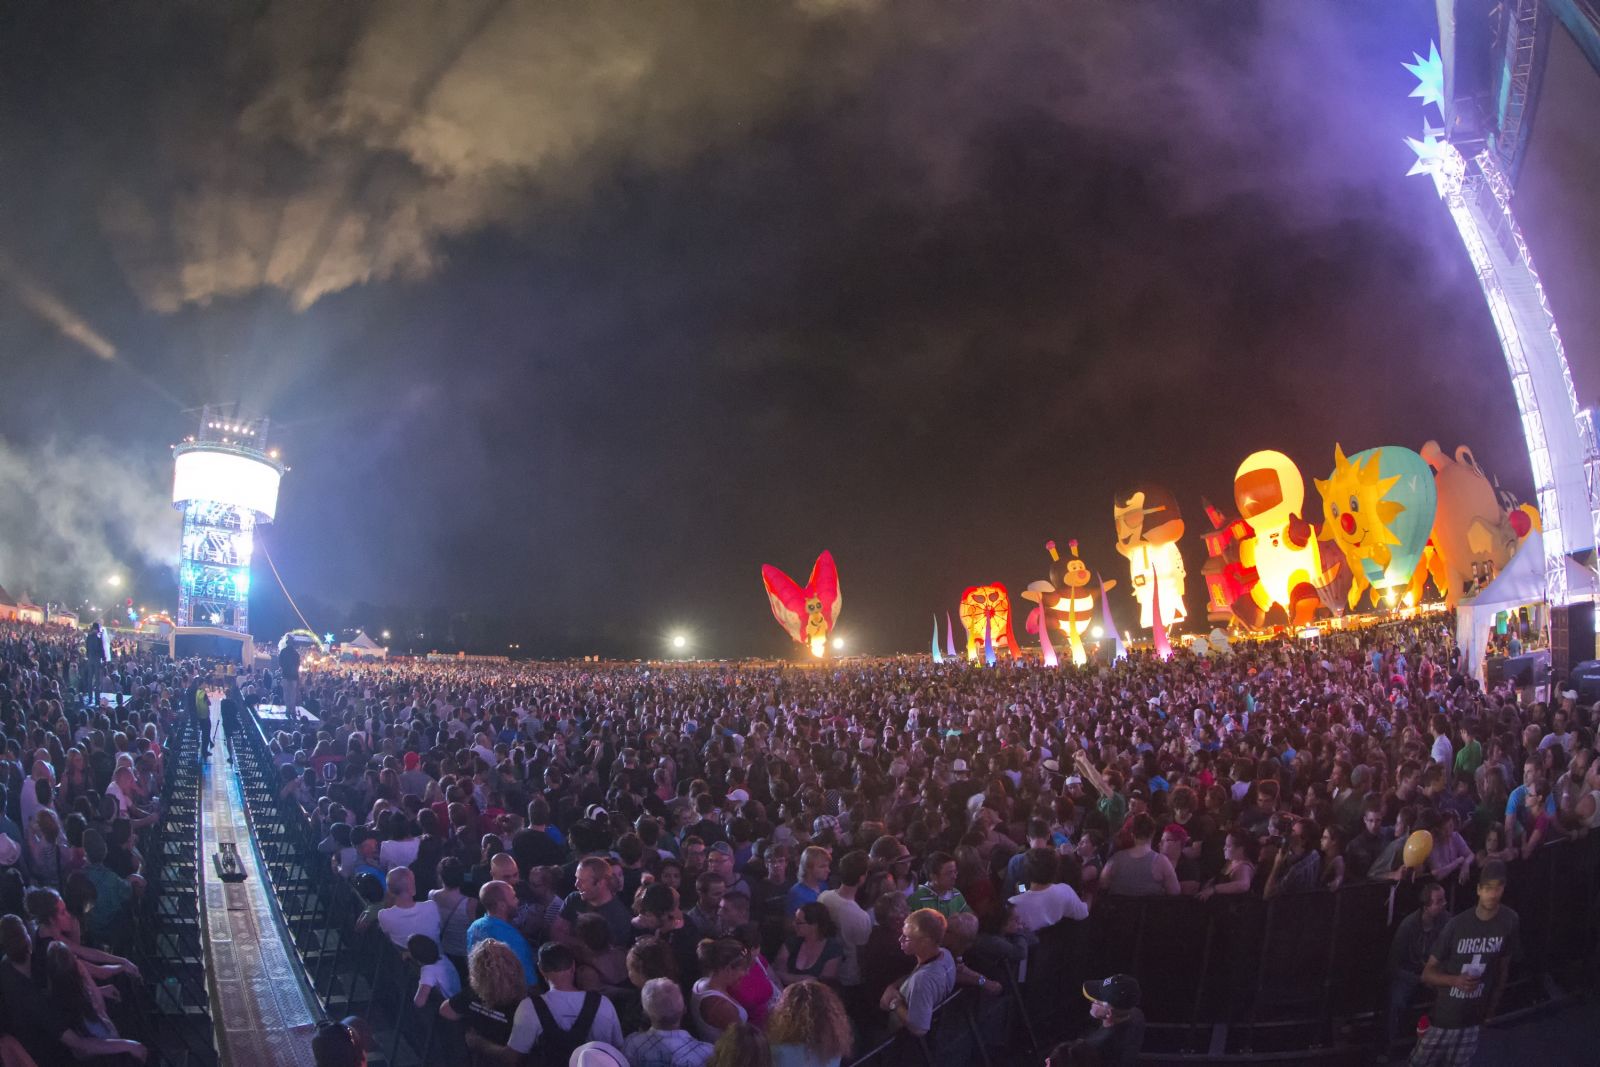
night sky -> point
(572, 315)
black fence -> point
(1244, 976)
(352, 973)
(169, 1009)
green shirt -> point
(1470, 758)
(924, 897)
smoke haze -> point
(76, 514)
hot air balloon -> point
(1149, 525)
(809, 614)
(1278, 554)
(1378, 508)
(987, 609)
(1475, 532)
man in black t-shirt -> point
(1467, 965)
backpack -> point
(555, 1045)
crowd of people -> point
(682, 863)
(737, 864)
(83, 756)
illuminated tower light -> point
(223, 493)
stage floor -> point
(262, 1010)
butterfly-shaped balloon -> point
(809, 614)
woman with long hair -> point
(1333, 842)
(712, 1009)
(741, 1045)
(814, 951)
(496, 997)
(809, 1027)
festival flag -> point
(1110, 624)
(1044, 637)
(988, 642)
(1163, 649)
(949, 637)
(937, 658)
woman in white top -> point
(723, 962)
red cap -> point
(412, 760)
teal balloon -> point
(1414, 492)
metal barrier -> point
(1242, 976)
(352, 972)
(170, 1010)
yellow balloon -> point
(1418, 847)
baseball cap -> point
(1121, 991)
(721, 846)
(1493, 871)
(1051, 765)
(412, 760)
(1074, 779)
(959, 766)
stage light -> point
(680, 642)
(114, 581)
(838, 644)
(1097, 632)
(386, 635)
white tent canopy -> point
(364, 646)
(1522, 582)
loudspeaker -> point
(1571, 637)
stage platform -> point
(276, 717)
(260, 1000)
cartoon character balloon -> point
(1279, 554)
(1067, 601)
(986, 614)
(1377, 509)
(1149, 525)
(1474, 533)
(808, 614)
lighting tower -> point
(225, 480)
(1473, 159)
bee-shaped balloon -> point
(1067, 601)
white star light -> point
(1430, 152)
(1430, 76)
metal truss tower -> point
(1470, 159)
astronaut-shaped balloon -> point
(1149, 525)
(1280, 552)
(1067, 601)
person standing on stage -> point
(289, 664)
(94, 648)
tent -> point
(363, 647)
(1521, 582)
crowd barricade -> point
(353, 972)
(169, 1009)
(1242, 975)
